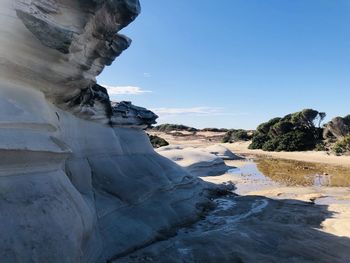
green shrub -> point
(280, 128)
(227, 137)
(293, 132)
(264, 128)
(235, 135)
(270, 145)
(258, 141)
(157, 142)
(240, 135)
(321, 146)
(173, 127)
(342, 146)
(338, 149)
(347, 119)
(295, 141)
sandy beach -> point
(204, 139)
(249, 180)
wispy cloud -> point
(147, 75)
(188, 111)
(196, 111)
(125, 90)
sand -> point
(309, 156)
(336, 199)
(205, 139)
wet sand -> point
(291, 182)
(308, 156)
(281, 211)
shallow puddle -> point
(294, 173)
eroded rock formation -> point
(80, 181)
(337, 128)
(126, 114)
(198, 162)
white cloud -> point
(147, 75)
(195, 111)
(188, 111)
(125, 90)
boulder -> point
(196, 161)
(337, 128)
(222, 152)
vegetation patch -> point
(173, 127)
(236, 135)
(157, 141)
(298, 131)
(343, 146)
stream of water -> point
(293, 173)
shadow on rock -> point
(252, 229)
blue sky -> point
(235, 63)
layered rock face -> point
(337, 128)
(79, 180)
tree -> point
(293, 132)
(322, 116)
(305, 117)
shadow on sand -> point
(252, 229)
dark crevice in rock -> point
(129, 114)
(49, 34)
(89, 96)
(91, 43)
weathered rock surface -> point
(222, 152)
(79, 179)
(126, 114)
(251, 229)
(337, 128)
(197, 162)
(67, 44)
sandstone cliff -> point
(79, 180)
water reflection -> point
(296, 173)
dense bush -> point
(270, 145)
(296, 141)
(347, 118)
(236, 135)
(342, 146)
(321, 146)
(215, 130)
(264, 128)
(173, 127)
(157, 142)
(258, 141)
(293, 132)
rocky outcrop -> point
(252, 229)
(126, 114)
(84, 35)
(222, 152)
(196, 161)
(337, 128)
(79, 179)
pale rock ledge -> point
(79, 179)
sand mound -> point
(196, 161)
